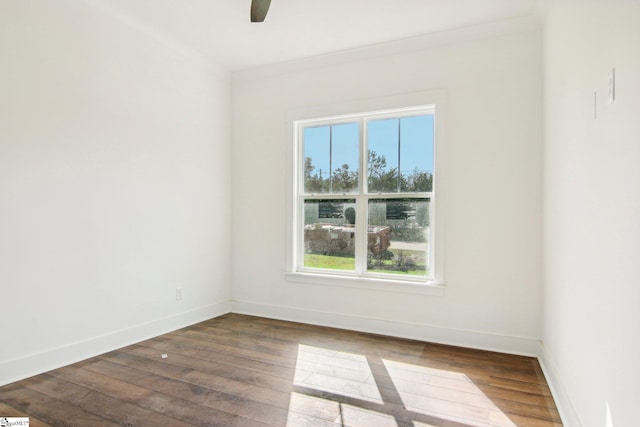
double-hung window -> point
(364, 195)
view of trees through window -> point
(382, 178)
(395, 193)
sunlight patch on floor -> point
(336, 372)
(344, 388)
(301, 405)
(354, 416)
(438, 393)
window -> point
(364, 195)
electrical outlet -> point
(178, 294)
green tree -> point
(313, 183)
(308, 168)
(381, 178)
(344, 179)
(418, 181)
(377, 163)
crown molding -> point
(406, 45)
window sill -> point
(377, 284)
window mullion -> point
(361, 203)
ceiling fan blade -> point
(259, 9)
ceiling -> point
(220, 29)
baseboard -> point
(14, 370)
(435, 334)
(560, 396)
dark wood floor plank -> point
(100, 404)
(137, 388)
(239, 370)
(229, 406)
(213, 356)
(203, 379)
(230, 371)
(317, 336)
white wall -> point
(114, 184)
(592, 209)
(492, 185)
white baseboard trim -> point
(18, 369)
(560, 396)
(435, 334)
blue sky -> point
(416, 144)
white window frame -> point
(398, 106)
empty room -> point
(320, 213)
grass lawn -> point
(410, 272)
(332, 262)
(346, 263)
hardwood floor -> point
(239, 370)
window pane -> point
(331, 158)
(316, 159)
(416, 153)
(382, 137)
(329, 234)
(344, 158)
(404, 145)
(398, 236)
